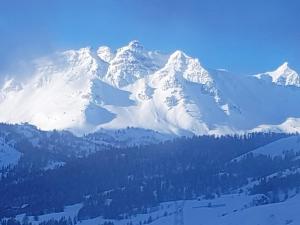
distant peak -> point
(86, 49)
(282, 70)
(284, 66)
(104, 48)
(82, 52)
(105, 53)
(283, 75)
(178, 56)
(135, 44)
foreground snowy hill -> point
(197, 180)
(289, 145)
(85, 90)
(226, 210)
(19, 140)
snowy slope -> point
(225, 210)
(86, 90)
(277, 148)
(9, 156)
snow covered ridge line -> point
(88, 90)
(128, 137)
(276, 148)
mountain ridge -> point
(86, 90)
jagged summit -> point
(131, 63)
(86, 90)
(135, 45)
(132, 46)
(178, 60)
(178, 55)
(282, 70)
(105, 53)
(284, 65)
(283, 75)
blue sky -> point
(240, 35)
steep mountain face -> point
(86, 90)
(131, 63)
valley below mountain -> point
(55, 177)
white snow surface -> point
(277, 148)
(283, 75)
(51, 165)
(85, 90)
(9, 156)
(69, 211)
(231, 209)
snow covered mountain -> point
(283, 75)
(86, 90)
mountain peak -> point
(283, 67)
(283, 75)
(178, 60)
(105, 53)
(135, 45)
(178, 55)
(130, 63)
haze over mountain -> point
(88, 89)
